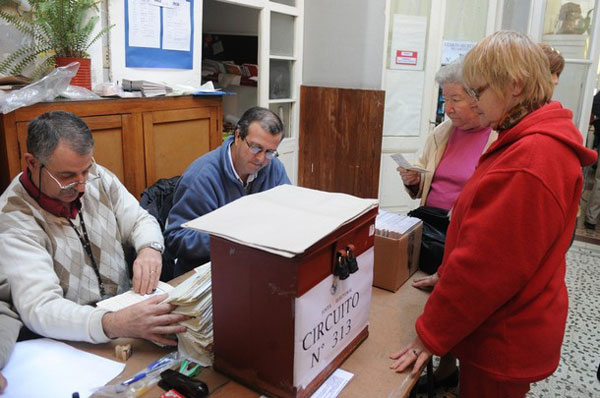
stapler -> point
(185, 385)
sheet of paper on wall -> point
(49, 368)
(301, 217)
(408, 42)
(402, 162)
(144, 24)
(130, 297)
(453, 50)
(177, 27)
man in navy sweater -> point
(245, 164)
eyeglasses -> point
(72, 185)
(256, 149)
(476, 92)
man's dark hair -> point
(47, 130)
(268, 120)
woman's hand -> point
(415, 353)
(409, 177)
(426, 282)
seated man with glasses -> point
(63, 224)
(245, 164)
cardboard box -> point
(396, 259)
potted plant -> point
(60, 32)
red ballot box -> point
(283, 325)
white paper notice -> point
(453, 50)
(333, 385)
(144, 24)
(49, 368)
(326, 323)
(177, 24)
(408, 42)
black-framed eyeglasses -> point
(476, 92)
(256, 149)
(72, 185)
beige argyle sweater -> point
(51, 277)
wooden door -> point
(115, 140)
(175, 138)
(340, 140)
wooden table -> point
(392, 320)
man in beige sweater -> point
(9, 328)
(63, 224)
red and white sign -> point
(406, 57)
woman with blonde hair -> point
(500, 300)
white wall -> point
(344, 43)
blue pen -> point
(158, 364)
(135, 378)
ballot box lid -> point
(285, 220)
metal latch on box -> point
(344, 265)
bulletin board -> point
(157, 36)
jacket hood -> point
(551, 120)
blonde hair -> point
(507, 57)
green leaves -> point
(57, 28)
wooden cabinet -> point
(138, 139)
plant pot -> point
(83, 78)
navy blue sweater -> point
(207, 184)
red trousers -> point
(477, 384)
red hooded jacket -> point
(501, 301)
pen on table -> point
(135, 378)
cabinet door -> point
(175, 138)
(340, 140)
(114, 136)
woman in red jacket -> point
(500, 300)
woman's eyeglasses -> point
(476, 92)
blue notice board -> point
(150, 57)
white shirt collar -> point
(251, 177)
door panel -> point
(340, 140)
(174, 139)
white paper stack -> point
(193, 297)
(285, 220)
(393, 225)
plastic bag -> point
(46, 89)
(142, 381)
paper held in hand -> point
(402, 162)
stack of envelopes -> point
(193, 298)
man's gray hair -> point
(46, 131)
(451, 73)
(268, 120)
